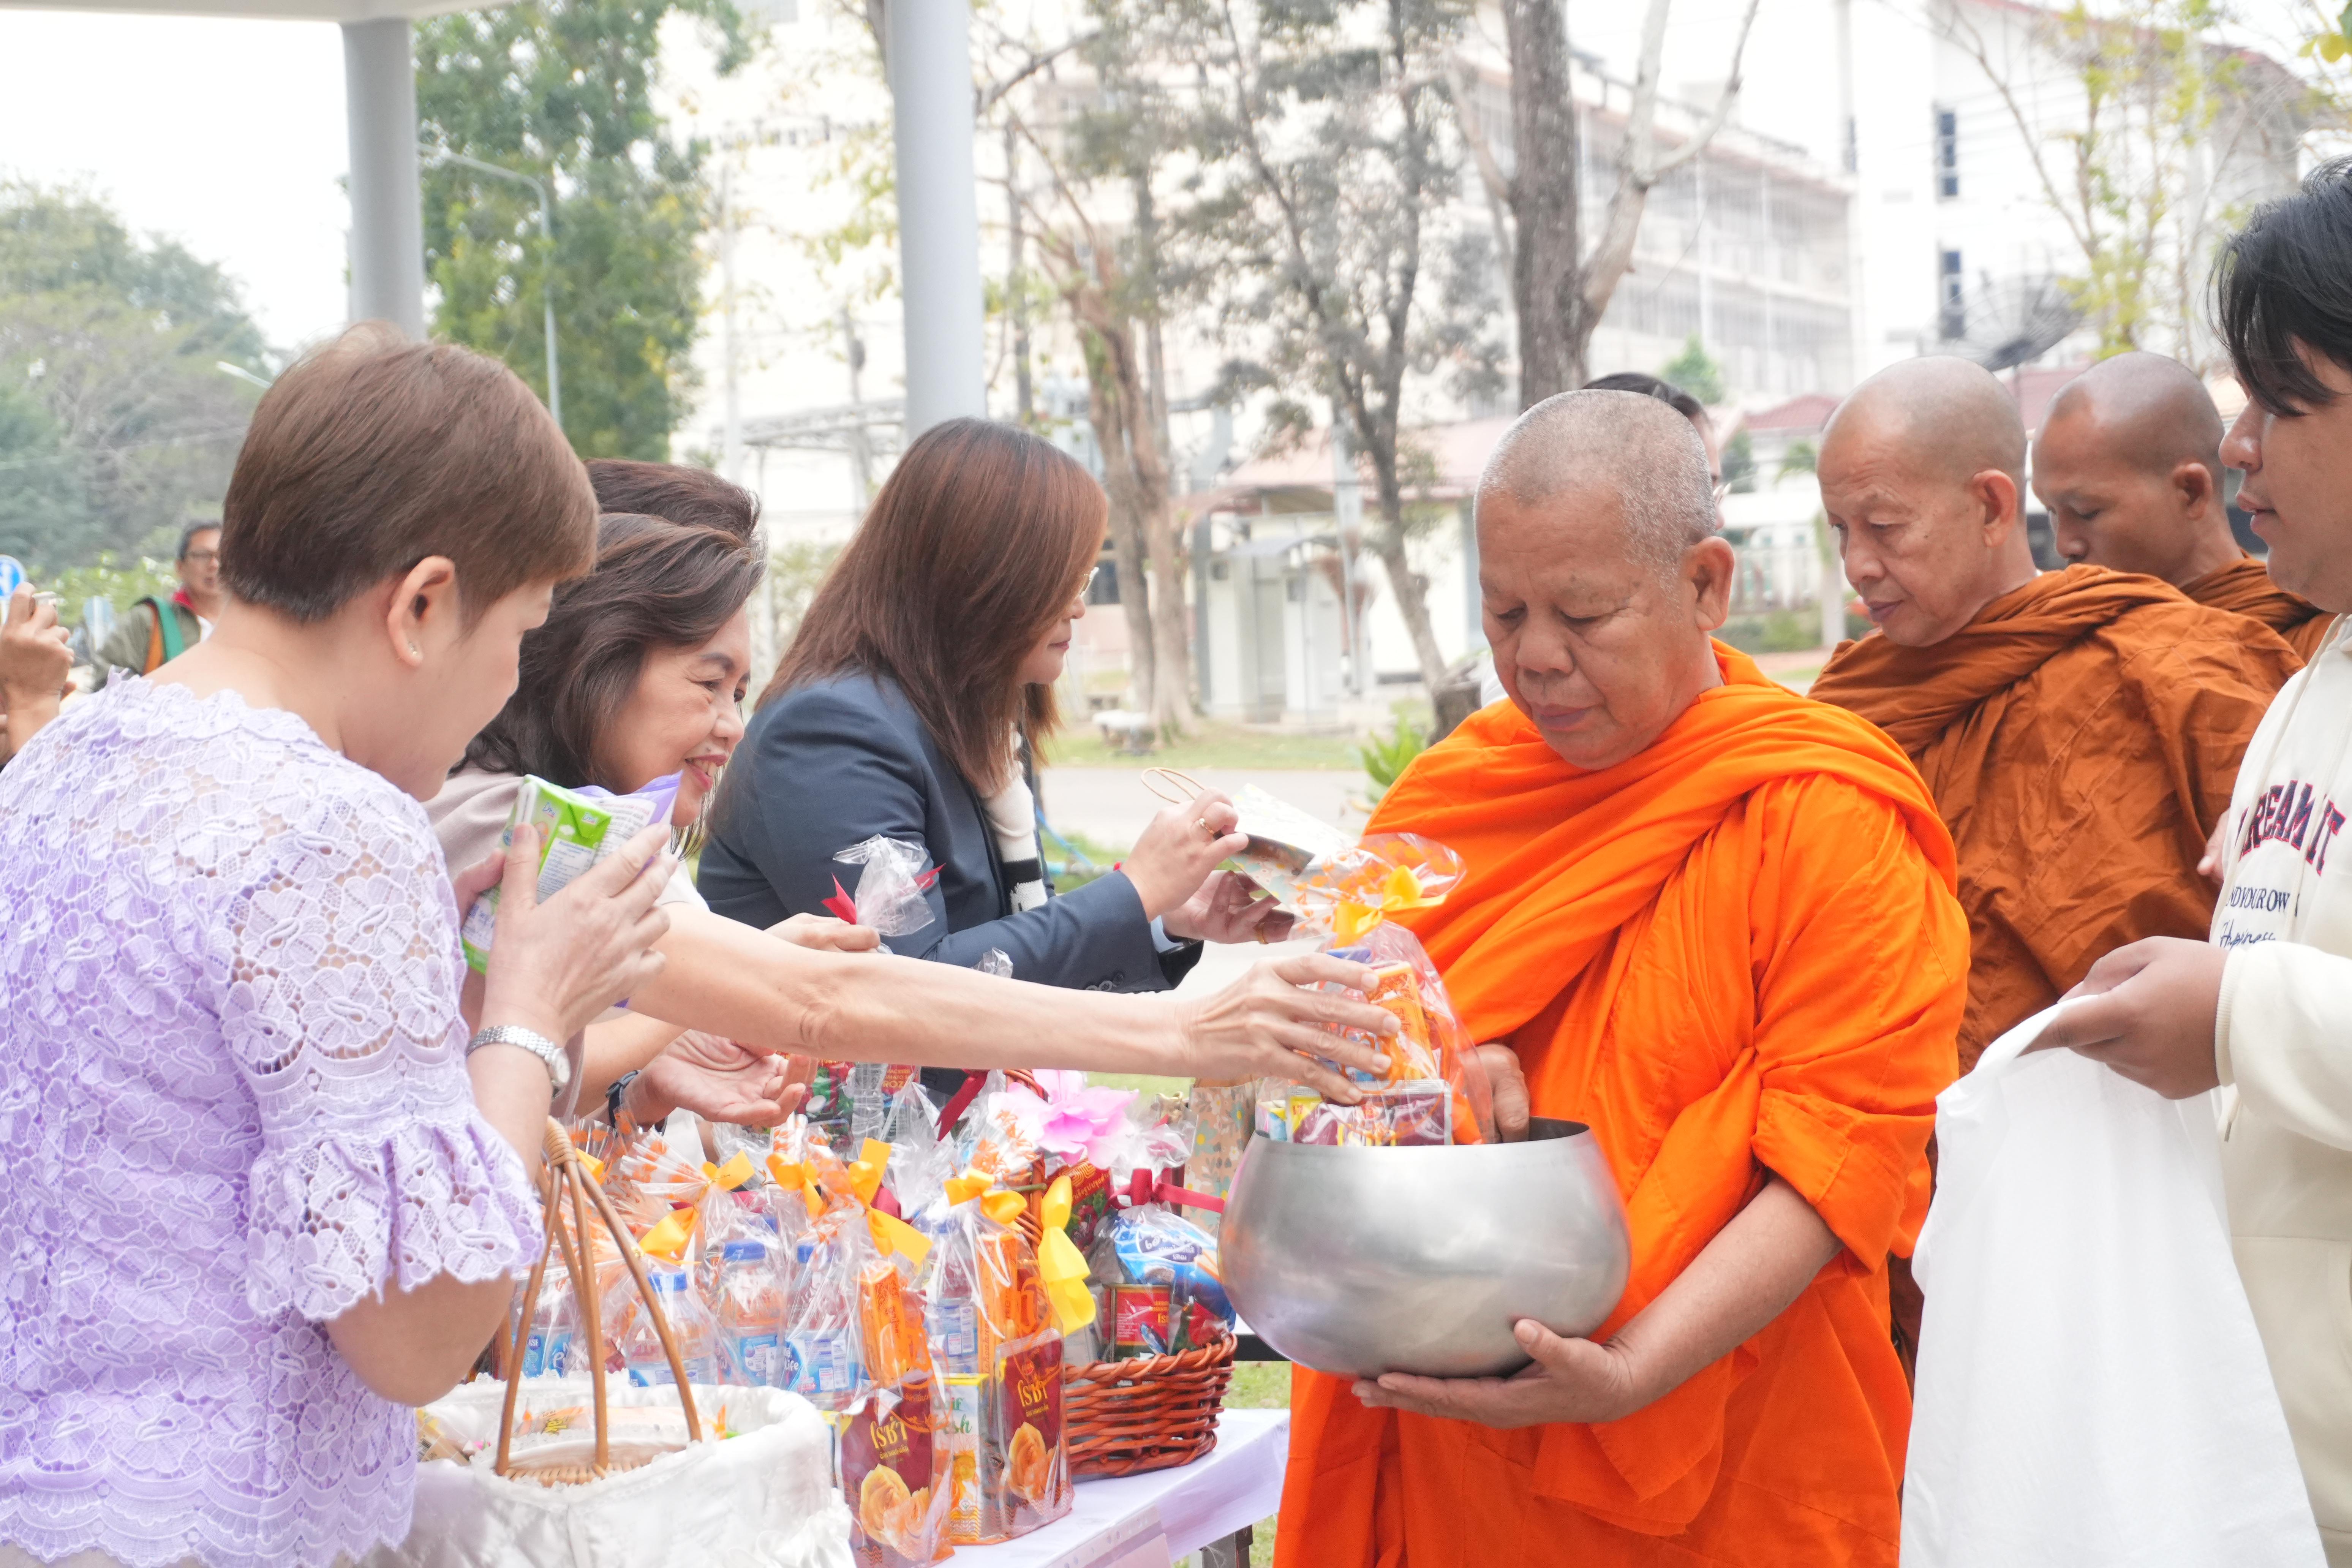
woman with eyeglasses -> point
(910, 707)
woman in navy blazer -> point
(909, 707)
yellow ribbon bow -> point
(668, 1238)
(1353, 915)
(1061, 1267)
(797, 1178)
(892, 1233)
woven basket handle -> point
(566, 1173)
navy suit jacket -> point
(834, 764)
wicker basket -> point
(1127, 1416)
(565, 1177)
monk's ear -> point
(1995, 495)
(2193, 482)
(1708, 567)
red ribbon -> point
(1152, 1187)
(844, 907)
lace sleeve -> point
(339, 1009)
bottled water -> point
(554, 1328)
(690, 1324)
(750, 1309)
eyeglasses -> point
(1722, 488)
(202, 557)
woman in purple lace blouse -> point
(262, 1193)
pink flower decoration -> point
(1069, 1120)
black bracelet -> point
(618, 1092)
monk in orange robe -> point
(2129, 464)
(2081, 729)
(1714, 922)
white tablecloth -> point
(1116, 1523)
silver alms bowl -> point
(1361, 1261)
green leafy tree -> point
(1695, 370)
(561, 91)
(1739, 462)
(1332, 159)
(117, 423)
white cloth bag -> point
(2091, 1388)
(764, 1499)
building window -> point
(1948, 153)
(1951, 314)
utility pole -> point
(730, 459)
(1348, 514)
(1016, 280)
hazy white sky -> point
(224, 135)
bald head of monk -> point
(2129, 464)
(1921, 468)
(1600, 571)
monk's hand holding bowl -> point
(1506, 1087)
(1571, 1380)
(1266, 1026)
(2147, 1010)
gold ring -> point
(1203, 823)
(1262, 938)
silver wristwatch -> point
(558, 1065)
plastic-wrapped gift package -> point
(1431, 1091)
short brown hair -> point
(676, 491)
(977, 543)
(372, 453)
(657, 583)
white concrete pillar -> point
(387, 205)
(930, 56)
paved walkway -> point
(1113, 805)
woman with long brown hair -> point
(910, 706)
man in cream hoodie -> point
(2265, 1006)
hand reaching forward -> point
(1267, 1024)
(719, 1080)
(825, 934)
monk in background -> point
(2081, 729)
(1715, 923)
(2129, 464)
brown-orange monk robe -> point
(2244, 588)
(2081, 737)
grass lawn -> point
(1211, 745)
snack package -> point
(1025, 1458)
(1347, 898)
(1410, 1114)
(1284, 843)
(1222, 1117)
(896, 1474)
(1157, 1246)
(577, 829)
(998, 1349)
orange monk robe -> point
(2081, 736)
(1737, 952)
(2244, 588)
